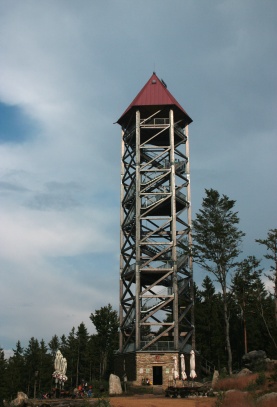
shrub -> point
(273, 376)
(261, 379)
(102, 402)
(234, 398)
(238, 383)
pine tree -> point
(3, 374)
(245, 286)
(271, 246)
(44, 369)
(54, 345)
(217, 245)
(32, 363)
(63, 344)
(71, 354)
(82, 366)
(208, 317)
(106, 323)
(15, 371)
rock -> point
(20, 401)
(244, 372)
(114, 385)
(215, 378)
(271, 364)
(236, 398)
(270, 397)
(255, 360)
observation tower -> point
(156, 278)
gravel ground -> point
(159, 401)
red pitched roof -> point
(154, 93)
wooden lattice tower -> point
(156, 281)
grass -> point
(237, 383)
(103, 402)
(235, 398)
(245, 390)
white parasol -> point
(60, 365)
(57, 362)
(193, 374)
(175, 371)
(183, 368)
(64, 366)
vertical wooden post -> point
(121, 242)
(190, 237)
(173, 229)
(138, 227)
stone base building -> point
(158, 368)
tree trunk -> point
(275, 291)
(227, 330)
(244, 328)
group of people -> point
(83, 390)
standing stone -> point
(114, 385)
(215, 378)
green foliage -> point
(216, 235)
(84, 403)
(103, 402)
(246, 288)
(252, 386)
(271, 246)
(217, 246)
(106, 323)
(30, 369)
(261, 379)
(273, 376)
(208, 324)
(220, 399)
(3, 381)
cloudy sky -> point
(68, 71)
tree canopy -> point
(216, 247)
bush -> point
(273, 376)
(261, 379)
(102, 402)
(234, 399)
(238, 383)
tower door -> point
(157, 375)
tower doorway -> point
(157, 375)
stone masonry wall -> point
(146, 361)
(139, 366)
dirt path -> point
(158, 401)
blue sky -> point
(68, 71)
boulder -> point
(244, 372)
(267, 398)
(114, 385)
(21, 400)
(255, 360)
